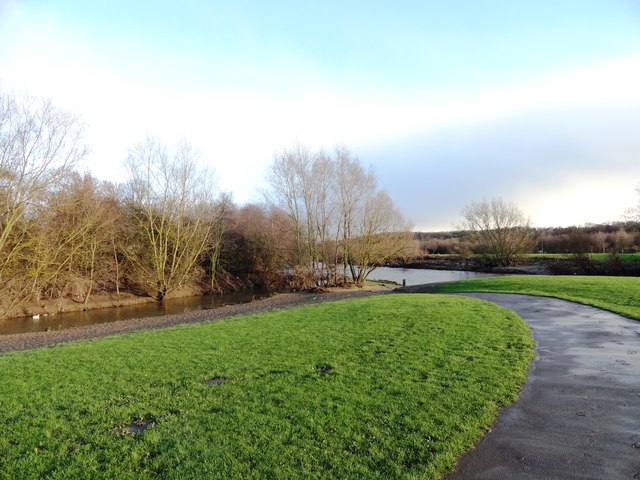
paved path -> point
(578, 417)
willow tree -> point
(379, 234)
(499, 230)
(339, 215)
(172, 203)
(301, 182)
(371, 229)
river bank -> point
(474, 264)
(530, 265)
(24, 341)
(48, 307)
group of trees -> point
(618, 237)
(342, 225)
(39, 147)
(68, 235)
(325, 220)
(500, 233)
(63, 234)
(175, 214)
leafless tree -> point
(371, 228)
(39, 146)
(86, 213)
(338, 213)
(301, 186)
(381, 234)
(257, 245)
(171, 199)
(633, 213)
(499, 231)
(353, 184)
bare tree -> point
(371, 228)
(257, 245)
(288, 172)
(39, 146)
(499, 231)
(216, 217)
(633, 213)
(171, 200)
(381, 234)
(352, 186)
(338, 213)
(86, 215)
(301, 186)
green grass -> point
(560, 256)
(598, 257)
(394, 386)
(380, 282)
(616, 294)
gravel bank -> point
(24, 341)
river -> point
(412, 276)
(104, 315)
(419, 276)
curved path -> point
(578, 416)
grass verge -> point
(393, 386)
(598, 257)
(616, 294)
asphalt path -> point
(578, 416)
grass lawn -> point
(617, 294)
(599, 257)
(393, 386)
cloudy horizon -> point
(450, 104)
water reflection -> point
(104, 315)
(419, 276)
(413, 276)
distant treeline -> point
(616, 237)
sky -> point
(450, 102)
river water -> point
(412, 276)
(418, 276)
(104, 315)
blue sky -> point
(451, 102)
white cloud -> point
(238, 125)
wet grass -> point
(598, 257)
(393, 386)
(616, 294)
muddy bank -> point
(26, 341)
(75, 303)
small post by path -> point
(404, 282)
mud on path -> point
(24, 341)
